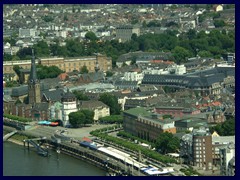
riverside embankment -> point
(73, 149)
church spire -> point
(33, 73)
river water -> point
(18, 161)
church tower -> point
(33, 84)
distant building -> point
(65, 64)
(23, 33)
(217, 8)
(227, 159)
(133, 76)
(124, 33)
(99, 108)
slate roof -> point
(68, 95)
(92, 105)
(93, 77)
(192, 81)
(126, 84)
(54, 95)
(20, 91)
(41, 107)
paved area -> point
(77, 133)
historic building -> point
(65, 64)
(69, 104)
(146, 125)
(34, 94)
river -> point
(18, 161)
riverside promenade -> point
(103, 161)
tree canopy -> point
(182, 45)
(48, 72)
(81, 118)
(80, 96)
(167, 143)
(84, 70)
(226, 128)
(91, 36)
(112, 102)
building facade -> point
(65, 64)
(99, 108)
(227, 160)
(144, 124)
(34, 94)
(69, 104)
(125, 33)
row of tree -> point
(183, 45)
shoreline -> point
(15, 141)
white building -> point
(177, 69)
(69, 104)
(27, 33)
(133, 76)
(61, 34)
(227, 154)
(155, 71)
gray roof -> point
(93, 77)
(126, 83)
(41, 107)
(53, 95)
(223, 139)
(92, 105)
(20, 91)
(192, 81)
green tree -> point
(25, 53)
(204, 53)
(77, 119)
(84, 70)
(112, 102)
(226, 128)
(112, 119)
(17, 68)
(88, 116)
(219, 23)
(91, 36)
(80, 96)
(167, 143)
(48, 72)
(41, 49)
(180, 54)
(109, 74)
(47, 18)
(7, 57)
(144, 24)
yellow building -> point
(65, 64)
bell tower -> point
(33, 84)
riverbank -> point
(70, 149)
